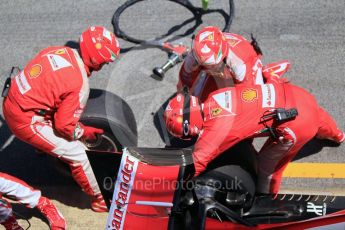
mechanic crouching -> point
(285, 113)
(46, 99)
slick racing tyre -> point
(109, 112)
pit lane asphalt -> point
(308, 33)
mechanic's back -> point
(242, 119)
(236, 113)
(243, 106)
(48, 78)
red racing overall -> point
(44, 105)
(233, 114)
(18, 189)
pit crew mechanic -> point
(16, 189)
(233, 114)
(224, 56)
(46, 99)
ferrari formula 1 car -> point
(154, 188)
(149, 188)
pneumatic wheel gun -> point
(177, 54)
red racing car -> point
(149, 188)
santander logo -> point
(122, 191)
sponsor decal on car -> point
(122, 191)
(35, 71)
(249, 95)
(319, 210)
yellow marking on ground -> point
(315, 170)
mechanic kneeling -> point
(230, 115)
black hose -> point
(197, 16)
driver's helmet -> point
(98, 46)
(210, 47)
(183, 116)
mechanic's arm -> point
(215, 139)
(66, 118)
(188, 72)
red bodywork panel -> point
(150, 186)
(143, 195)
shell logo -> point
(98, 46)
(249, 95)
(35, 71)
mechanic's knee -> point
(73, 151)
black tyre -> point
(232, 182)
(109, 112)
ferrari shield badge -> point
(216, 111)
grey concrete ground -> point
(308, 33)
